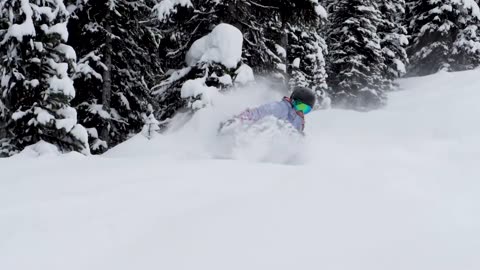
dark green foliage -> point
(393, 40)
(36, 87)
(356, 63)
(124, 36)
(306, 60)
(444, 37)
(466, 48)
(433, 34)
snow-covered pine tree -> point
(180, 24)
(306, 52)
(261, 23)
(306, 56)
(393, 40)
(36, 86)
(432, 28)
(356, 62)
(466, 48)
(213, 64)
(5, 114)
(116, 68)
(296, 42)
(442, 35)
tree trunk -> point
(107, 77)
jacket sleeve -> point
(275, 109)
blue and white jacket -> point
(282, 110)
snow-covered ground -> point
(397, 188)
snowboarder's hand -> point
(226, 124)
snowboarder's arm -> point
(275, 109)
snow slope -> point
(391, 189)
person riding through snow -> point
(291, 109)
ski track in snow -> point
(396, 188)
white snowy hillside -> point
(392, 189)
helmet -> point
(304, 95)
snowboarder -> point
(291, 109)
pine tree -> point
(180, 25)
(393, 36)
(116, 68)
(297, 41)
(36, 86)
(433, 32)
(213, 65)
(306, 47)
(187, 21)
(356, 61)
(466, 48)
(442, 35)
(306, 56)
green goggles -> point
(300, 106)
